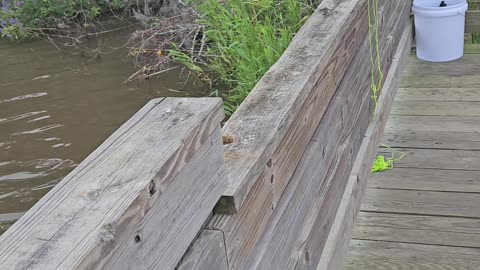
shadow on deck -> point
(425, 213)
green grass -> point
(23, 19)
(245, 38)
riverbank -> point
(57, 107)
(227, 45)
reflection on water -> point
(56, 108)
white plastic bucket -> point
(439, 30)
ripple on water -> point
(37, 130)
(34, 95)
(37, 168)
(21, 116)
(7, 144)
(22, 183)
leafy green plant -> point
(22, 19)
(244, 38)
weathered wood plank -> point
(306, 252)
(433, 140)
(431, 230)
(413, 61)
(427, 180)
(346, 103)
(422, 202)
(375, 255)
(471, 49)
(439, 108)
(433, 123)
(467, 65)
(441, 81)
(290, 100)
(244, 229)
(207, 253)
(437, 159)
(132, 203)
(439, 94)
(312, 192)
(472, 21)
(339, 238)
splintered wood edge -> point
(242, 180)
(335, 248)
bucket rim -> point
(416, 3)
(435, 11)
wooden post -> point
(137, 202)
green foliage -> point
(245, 38)
(475, 38)
(184, 59)
(21, 19)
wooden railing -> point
(136, 202)
(472, 25)
(297, 155)
(472, 18)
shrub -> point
(22, 19)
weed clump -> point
(25, 19)
(229, 44)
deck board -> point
(422, 202)
(427, 180)
(425, 213)
(436, 108)
(378, 255)
(432, 139)
(439, 94)
(429, 230)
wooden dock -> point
(284, 188)
(425, 213)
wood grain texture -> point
(472, 21)
(375, 255)
(438, 108)
(467, 65)
(430, 230)
(471, 49)
(206, 253)
(439, 94)
(245, 228)
(433, 140)
(437, 159)
(433, 203)
(352, 106)
(121, 207)
(427, 180)
(422, 214)
(339, 238)
(311, 198)
(441, 81)
(433, 123)
(290, 100)
(306, 251)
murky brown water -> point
(56, 108)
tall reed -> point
(245, 38)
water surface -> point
(57, 107)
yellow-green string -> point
(374, 86)
(380, 164)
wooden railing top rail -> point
(472, 21)
(137, 202)
(266, 127)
